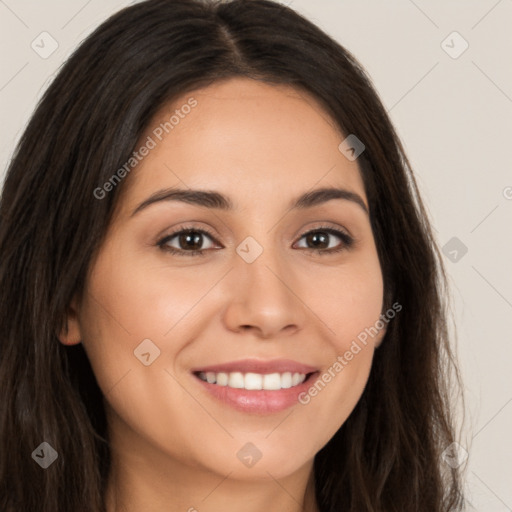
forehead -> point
(244, 137)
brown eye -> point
(187, 241)
(318, 240)
(191, 240)
(324, 240)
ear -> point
(387, 305)
(382, 332)
(70, 332)
(380, 337)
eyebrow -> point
(216, 200)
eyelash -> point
(347, 241)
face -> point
(256, 286)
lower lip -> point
(258, 401)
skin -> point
(174, 446)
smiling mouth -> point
(254, 381)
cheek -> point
(125, 307)
(138, 300)
(128, 302)
(348, 299)
(349, 305)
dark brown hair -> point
(387, 455)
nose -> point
(262, 299)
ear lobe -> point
(70, 332)
(380, 337)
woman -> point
(219, 285)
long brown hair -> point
(387, 455)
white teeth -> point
(236, 380)
(272, 381)
(221, 379)
(286, 380)
(254, 381)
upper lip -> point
(258, 366)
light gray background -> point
(454, 117)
